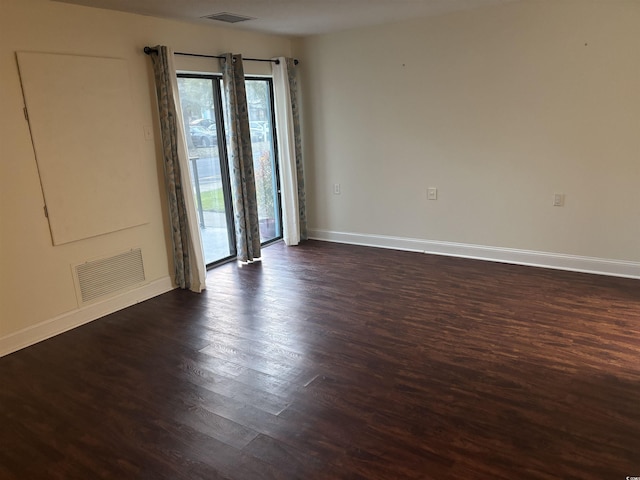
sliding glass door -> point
(201, 101)
(260, 103)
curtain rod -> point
(149, 51)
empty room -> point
(365, 239)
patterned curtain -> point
(243, 185)
(294, 212)
(188, 257)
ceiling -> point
(292, 17)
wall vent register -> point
(99, 278)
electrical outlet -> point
(558, 199)
(432, 193)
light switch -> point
(148, 132)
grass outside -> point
(212, 200)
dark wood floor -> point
(339, 362)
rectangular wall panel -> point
(86, 143)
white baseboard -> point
(574, 263)
(62, 323)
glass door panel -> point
(261, 123)
(199, 98)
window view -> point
(259, 101)
(208, 172)
(201, 103)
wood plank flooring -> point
(330, 361)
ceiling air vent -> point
(228, 17)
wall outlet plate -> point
(558, 199)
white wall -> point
(498, 108)
(36, 284)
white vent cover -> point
(98, 278)
(228, 17)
